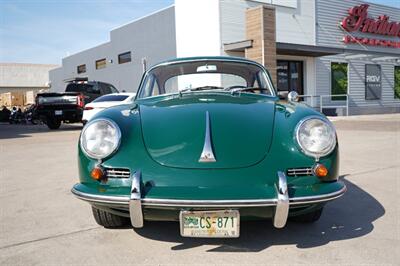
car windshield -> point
(111, 98)
(207, 75)
(78, 87)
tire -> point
(53, 123)
(108, 220)
(309, 217)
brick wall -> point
(260, 27)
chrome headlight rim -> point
(315, 155)
(94, 156)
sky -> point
(45, 31)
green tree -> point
(339, 80)
(397, 82)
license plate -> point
(223, 224)
(58, 112)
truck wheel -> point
(53, 123)
(309, 217)
(108, 220)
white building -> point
(24, 77)
(313, 47)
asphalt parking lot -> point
(42, 223)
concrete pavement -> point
(42, 223)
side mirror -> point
(293, 96)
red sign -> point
(358, 20)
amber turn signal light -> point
(97, 173)
(320, 170)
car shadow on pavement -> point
(8, 131)
(348, 217)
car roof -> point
(206, 58)
(120, 93)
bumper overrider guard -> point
(281, 202)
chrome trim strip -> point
(100, 198)
(299, 169)
(118, 172)
(319, 198)
(207, 203)
(282, 204)
(135, 202)
(207, 155)
(190, 60)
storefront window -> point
(339, 80)
(397, 82)
(290, 76)
(81, 69)
(124, 58)
(101, 63)
(283, 80)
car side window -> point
(95, 89)
(104, 89)
(156, 89)
(151, 87)
(112, 89)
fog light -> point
(320, 170)
(97, 173)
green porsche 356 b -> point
(207, 142)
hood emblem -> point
(207, 155)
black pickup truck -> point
(54, 108)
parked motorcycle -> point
(18, 116)
(31, 115)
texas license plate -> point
(224, 224)
(58, 112)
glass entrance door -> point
(290, 76)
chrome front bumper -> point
(281, 202)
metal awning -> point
(310, 50)
(305, 50)
(372, 57)
(394, 59)
(239, 46)
(285, 48)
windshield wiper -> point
(249, 89)
(202, 88)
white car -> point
(104, 102)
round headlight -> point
(100, 138)
(316, 136)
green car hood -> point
(241, 129)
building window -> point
(81, 69)
(373, 82)
(290, 76)
(124, 58)
(397, 82)
(339, 80)
(101, 63)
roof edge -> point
(27, 64)
(143, 17)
